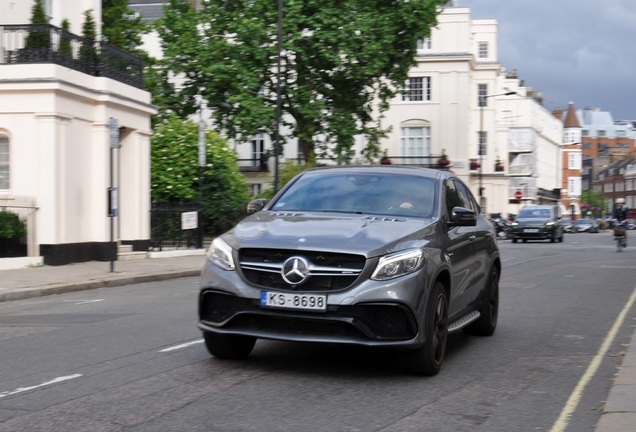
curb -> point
(104, 283)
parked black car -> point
(380, 256)
(567, 224)
(538, 222)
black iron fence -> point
(175, 226)
(45, 43)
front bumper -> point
(372, 313)
(533, 233)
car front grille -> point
(362, 322)
(328, 271)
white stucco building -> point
(55, 110)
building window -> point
(574, 161)
(255, 189)
(482, 143)
(602, 133)
(424, 44)
(585, 132)
(258, 149)
(417, 89)
(574, 186)
(415, 142)
(5, 167)
(482, 50)
(482, 92)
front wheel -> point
(428, 359)
(489, 310)
(228, 346)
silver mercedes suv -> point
(382, 256)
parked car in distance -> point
(380, 256)
(538, 222)
(630, 224)
(586, 225)
(567, 224)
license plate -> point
(530, 230)
(314, 302)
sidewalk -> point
(619, 412)
(44, 280)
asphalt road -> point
(131, 359)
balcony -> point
(44, 43)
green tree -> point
(594, 200)
(89, 33)
(174, 173)
(39, 36)
(339, 59)
(121, 26)
(65, 39)
(10, 225)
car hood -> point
(360, 234)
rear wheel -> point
(428, 359)
(228, 346)
(489, 310)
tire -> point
(514, 240)
(489, 310)
(427, 360)
(228, 346)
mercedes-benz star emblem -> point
(295, 270)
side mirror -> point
(256, 205)
(462, 217)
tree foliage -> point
(121, 26)
(10, 225)
(89, 32)
(341, 60)
(174, 173)
(38, 37)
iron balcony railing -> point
(45, 43)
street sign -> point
(518, 195)
(113, 128)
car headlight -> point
(549, 223)
(220, 254)
(398, 264)
(514, 224)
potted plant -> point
(474, 165)
(499, 165)
(443, 159)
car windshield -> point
(584, 222)
(382, 194)
(534, 213)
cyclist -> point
(620, 214)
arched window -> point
(5, 170)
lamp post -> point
(482, 145)
(279, 48)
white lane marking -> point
(564, 418)
(89, 301)
(53, 381)
(184, 345)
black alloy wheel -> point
(428, 359)
(489, 310)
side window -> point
(466, 197)
(452, 197)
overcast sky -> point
(581, 51)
